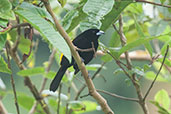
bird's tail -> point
(56, 81)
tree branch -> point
(118, 96)
(129, 67)
(50, 61)
(12, 82)
(81, 66)
(84, 85)
(27, 80)
(148, 91)
(153, 3)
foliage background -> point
(137, 24)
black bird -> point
(86, 40)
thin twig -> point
(15, 46)
(123, 42)
(84, 85)
(27, 80)
(59, 98)
(118, 63)
(50, 61)
(67, 104)
(153, 3)
(129, 66)
(148, 91)
(20, 25)
(118, 96)
(12, 82)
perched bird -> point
(86, 40)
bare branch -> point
(153, 3)
(12, 82)
(59, 98)
(27, 80)
(148, 91)
(118, 96)
(84, 85)
(50, 61)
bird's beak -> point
(100, 33)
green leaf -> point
(141, 34)
(136, 43)
(163, 50)
(68, 18)
(24, 45)
(50, 74)
(25, 101)
(114, 40)
(162, 1)
(112, 16)
(138, 71)
(3, 38)
(54, 105)
(36, 10)
(118, 71)
(82, 106)
(161, 110)
(146, 67)
(106, 58)
(166, 62)
(89, 23)
(75, 20)
(163, 99)
(4, 67)
(134, 9)
(93, 67)
(151, 75)
(5, 10)
(114, 52)
(62, 2)
(46, 30)
(95, 11)
(157, 28)
(31, 72)
(3, 23)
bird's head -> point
(93, 34)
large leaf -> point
(4, 67)
(67, 20)
(31, 72)
(150, 75)
(46, 30)
(5, 10)
(73, 17)
(112, 16)
(136, 43)
(96, 10)
(22, 98)
(163, 99)
(161, 110)
(36, 10)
